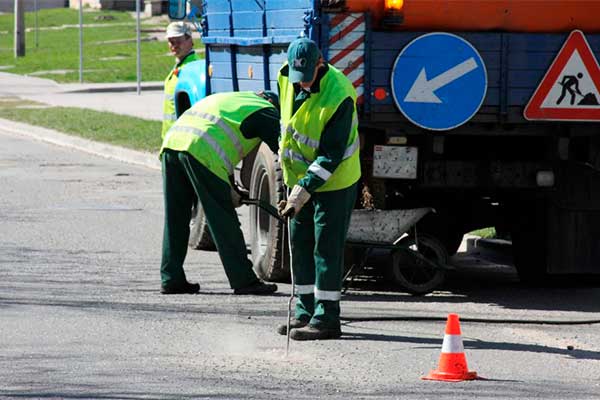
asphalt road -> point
(81, 316)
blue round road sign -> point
(439, 81)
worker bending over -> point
(199, 154)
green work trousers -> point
(318, 239)
(184, 178)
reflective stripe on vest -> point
(314, 144)
(350, 150)
(210, 131)
(169, 112)
(287, 153)
(315, 168)
(169, 115)
(208, 139)
(319, 171)
(226, 128)
(299, 137)
(301, 132)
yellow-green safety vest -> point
(301, 133)
(210, 131)
(169, 115)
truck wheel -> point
(200, 237)
(413, 275)
(266, 232)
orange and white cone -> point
(453, 363)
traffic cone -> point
(453, 363)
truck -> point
(485, 111)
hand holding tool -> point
(296, 200)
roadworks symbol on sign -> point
(570, 89)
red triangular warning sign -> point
(570, 90)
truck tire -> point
(266, 232)
(200, 237)
(416, 277)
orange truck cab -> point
(487, 15)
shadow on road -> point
(477, 280)
(475, 345)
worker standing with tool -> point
(179, 36)
(319, 153)
(199, 154)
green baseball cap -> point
(303, 55)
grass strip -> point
(120, 130)
(109, 53)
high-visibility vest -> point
(301, 132)
(210, 131)
(169, 115)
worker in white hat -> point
(179, 36)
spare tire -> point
(267, 233)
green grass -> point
(64, 16)
(119, 130)
(103, 62)
(486, 233)
(12, 102)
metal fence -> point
(143, 22)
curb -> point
(117, 89)
(144, 159)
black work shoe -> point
(310, 332)
(185, 288)
(294, 324)
(258, 287)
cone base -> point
(436, 375)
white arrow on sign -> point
(422, 90)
